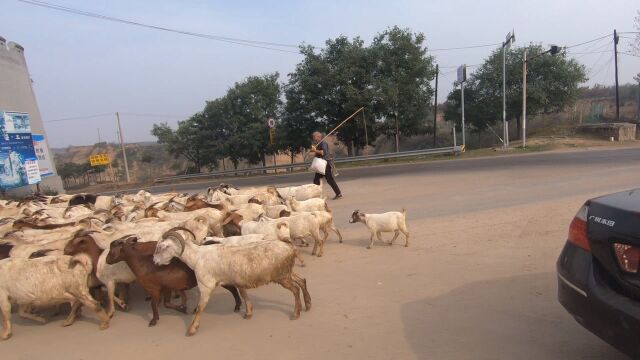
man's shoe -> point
(338, 197)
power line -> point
(155, 115)
(590, 52)
(274, 46)
(244, 42)
(589, 41)
(465, 47)
(593, 74)
(80, 117)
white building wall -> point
(16, 94)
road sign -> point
(99, 159)
(271, 122)
(272, 136)
(462, 73)
(509, 39)
(33, 171)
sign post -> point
(271, 123)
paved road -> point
(477, 281)
(516, 163)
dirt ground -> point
(477, 281)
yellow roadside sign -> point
(99, 159)
(272, 135)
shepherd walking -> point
(321, 150)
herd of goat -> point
(66, 249)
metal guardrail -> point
(438, 151)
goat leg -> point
(247, 303)
(73, 314)
(25, 312)
(290, 284)
(180, 308)
(302, 283)
(205, 294)
(5, 307)
(234, 291)
(155, 300)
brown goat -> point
(158, 280)
(30, 224)
(194, 203)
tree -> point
(552, 84)
(297, 123)
(239, 118)
(403, 74)
(328, 86)
(188, 140)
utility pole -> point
(524, 100)
(124, 152)
(615, 55)
(505, 131)
(511, 37)
(435, 109)
(464, 142)
(99, 136)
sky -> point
(84, 66)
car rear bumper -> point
(584, 293)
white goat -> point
(245, 267)
(276, 211)
(302, 192)
(314, 204)
(393, 221)
(302, 225)
(47, 281)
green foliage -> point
(552, 84)
(188, 140)
(328, 86)
(403, 75)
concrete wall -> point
(617, 131)
(16, 94)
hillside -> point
(146, 161)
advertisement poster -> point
(42, 153)
(16, 148)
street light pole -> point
(524, 100)
(464, 142)
(505, 130)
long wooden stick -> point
(342, 123)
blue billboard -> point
(17, 154)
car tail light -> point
(628, 257)
(578, 229)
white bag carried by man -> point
(318, 165)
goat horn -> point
(178, 228)
(175, 236)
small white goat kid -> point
(392, 221)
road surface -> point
(477, 281)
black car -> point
(599, 269)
